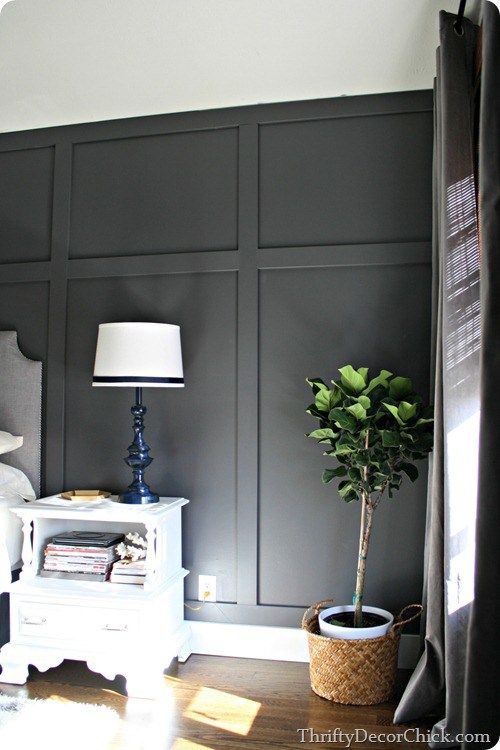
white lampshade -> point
(138, 355)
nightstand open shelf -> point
(128, 629)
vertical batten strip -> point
(247, 368)
(56, 356)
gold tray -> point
(85, 495)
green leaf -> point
(358, 411)
(335, 396)
(345, 488)
(352, 379)
(350, 497)
(322, 434)
(394, 411)
(339, 471)
(408, 437)
(363, 371)
(364, 401)
(396, 480)
(343, 419)
(390, 438)
(354, 474)
(381, 379)
(342, 448)
(313, 411)
(317, 383)
(427, 412)
(407, 411)
(424, 421)
(423, 443)
(328, 475)
(385, 469)
(400, 387)
(410, 470)
(362, 458)
(322, 400)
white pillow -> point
(14, 483)
(9, 442)
(14, 486)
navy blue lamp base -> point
(138, 493)
(132, 497)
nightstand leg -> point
(13, 664)
(185, 649)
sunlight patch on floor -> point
(223, 710)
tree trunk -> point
(364, 542)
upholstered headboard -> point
(21, 406)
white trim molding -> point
(268, 642)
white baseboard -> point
(266, 642)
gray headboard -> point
(21, 406)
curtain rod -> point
(460, 17)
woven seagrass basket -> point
(357, 672)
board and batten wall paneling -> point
(312, 321)
(173, 192)
(191, 430)
(285, 239)
(26, 185)
(340, 181)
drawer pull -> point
(33, 620)
(120, 628)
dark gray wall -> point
(286, 240)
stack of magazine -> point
(81, 555)
(128, 571)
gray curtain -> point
(456, 679)
(482, 688)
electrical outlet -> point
(207, 588)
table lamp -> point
(138, 355)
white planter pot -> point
(352, 634)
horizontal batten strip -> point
(34, 271)
(386, 254)
(310, 109)
(148, 265)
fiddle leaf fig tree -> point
(374, 429)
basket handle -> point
(401, 620)
(306, 620)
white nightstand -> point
(116, 628)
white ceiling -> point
(69, 61)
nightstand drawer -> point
(74, 622)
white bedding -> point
(14, 486)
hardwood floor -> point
(215, 702)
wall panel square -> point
(345, 180)
(311, 322)
(170, 192)
(26, 178)
(191, 431)
(24, 308)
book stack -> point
(125, 571)
(81, 555)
